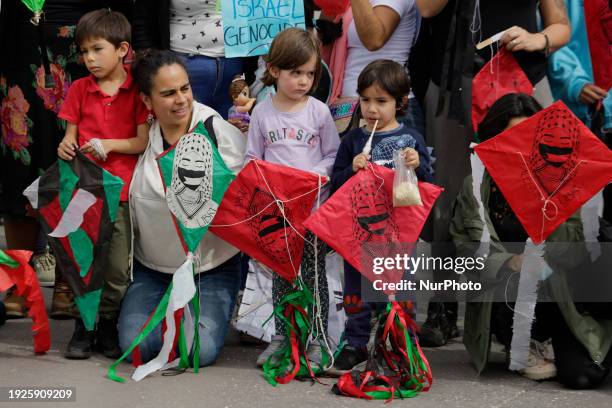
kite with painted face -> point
(500, 76)
(195, 178)
(360, 222)
(263, 212)
(547, 167)
(76, 203)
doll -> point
(243, 104)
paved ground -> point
(235, 382)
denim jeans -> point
(210, 79)
(413, 117)
(218, 289)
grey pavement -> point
(235, 382)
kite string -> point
(545, 199)
(318, 328)
(475, 27)
(264, 209)
(382, 180)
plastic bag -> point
(405, 183)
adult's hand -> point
(591, 94)
(519, 39)
(516, 263)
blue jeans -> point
(413, 118)
(218, 289)
(210, 79)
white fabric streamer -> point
(590, 213)
(524, 309)
(183, 290)
(477, 177)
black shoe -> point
(107, 339)
(440, 326)
(80, 345)
(451, 309)
(348, 359)
(2, 313)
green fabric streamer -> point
(88, 307)
(35, 6)
(280, 363)
(158, 316)
(5, 259)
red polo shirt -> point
(98, 115)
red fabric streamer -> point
(27, 286)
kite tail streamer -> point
(590, 213)
(398, 371)
(291, 360)
(477, 176)
(15, 269)
(524, 310)
(170, 310)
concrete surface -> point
(235, 382)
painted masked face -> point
(372, 219)
(273, 235)
(555, 148)
(190, 193)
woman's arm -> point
(374, 25)
(430, 8)
(556, 32)
(556, 24)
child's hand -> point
(411, 158)
(360, 162)
(98, 148)
(67, 148)
(242, 126)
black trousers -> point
(575, 368)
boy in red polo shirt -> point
(107, 121)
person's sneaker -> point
(540, 362)
(44, 265)
(440, 326)
(15, 305)
(315, 355)
(275, 345)
(62, 304)
(349, 358)
(80, 345)
(546, 349)
(107, 339)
